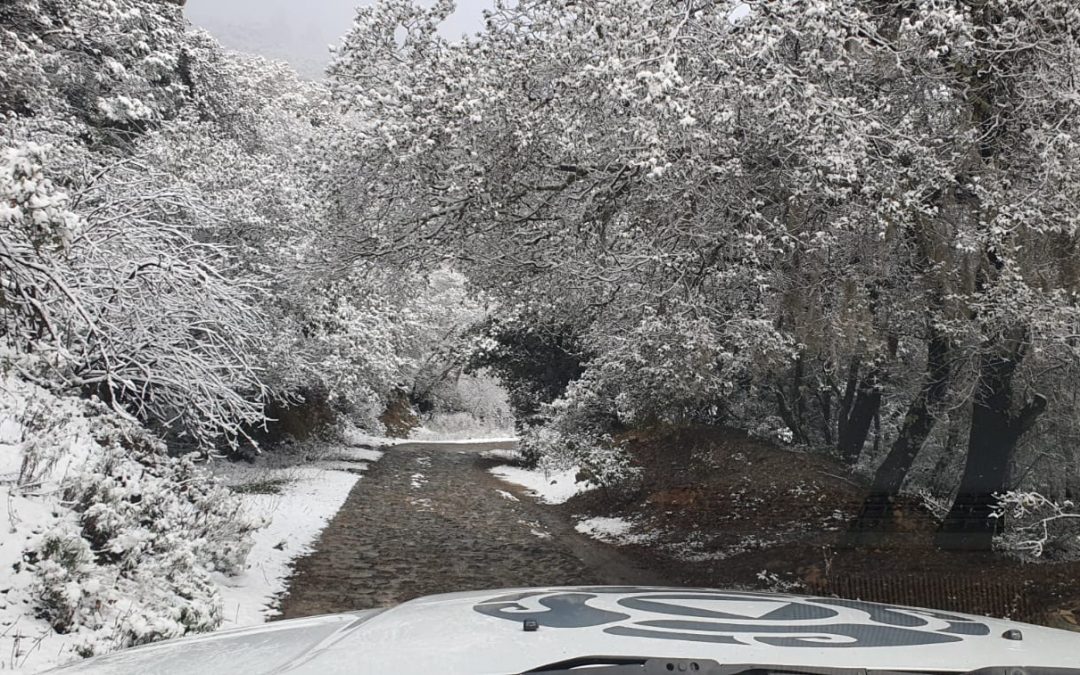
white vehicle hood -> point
(483, 634)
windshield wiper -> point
(620, 665)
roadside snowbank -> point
(550, 487)
(491, 424)
(502, 455)
(423, 438)
(613, 530)
(310, 496)
(358, 439)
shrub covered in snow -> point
(668, 369)
(137, 550)
(599, 461)
(661, 370)
(135, 535)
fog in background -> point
(300, 31)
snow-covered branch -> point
(1037, 527)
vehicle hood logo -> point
(734, 618)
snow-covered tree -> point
(885, 186)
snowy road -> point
(429, 518)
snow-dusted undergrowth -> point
(108, 541)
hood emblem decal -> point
(733, 617)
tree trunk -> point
(876, 513)
(918, 422)
(877, 431)
(824, 398)
(995, 433)
(857, 418)
(847, 400)
(792, 409)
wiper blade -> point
(621, 665)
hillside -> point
(717, 509)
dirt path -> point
(429, 518)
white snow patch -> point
(310, 498)
(536, 529)
(351, 459)
(11, 432)
(346, 465)
(442, 426)
(27, 644)
(360, 439)
(505, 455)
(506, 495)
(612, 530)
(361, 454)
(10, 461)
(422, 504)
(421, 438)
(549, 487)
(418, 481)
(739, 13)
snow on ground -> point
(363, 454)
(507, 496)
(464, 427)
(423, 504)
(309, 497)
(536, 529)
(553, 487)
(505, 455)
(359, 439)
(27, 644)
(612, 530)
(419, 436)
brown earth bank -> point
(719, 509)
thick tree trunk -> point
(875, 516)
(995, 433)
(857, 416)
(918, 422)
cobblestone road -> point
(429, 518)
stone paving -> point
(429, 518)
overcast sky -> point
(300, 31)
